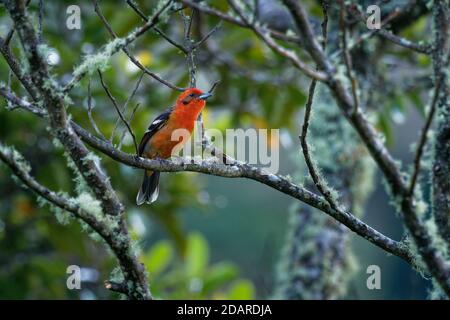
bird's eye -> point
(192, 95)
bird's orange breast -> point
(175, 133)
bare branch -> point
(209, 34)
(313, 171)
(125, 107)
(132, 58)
(14, 65)
(159, 31)
(348, 58)
(290, 55)
(403, 42)
(238, 22)
(116, 46)
(90, 107)
(433, 259)
(119, 112)
(190, 48)
(321, 186)
(20, 103)
(423, 138)
(130, 120)
(239, 170)
(366, 35)
(121, 248)
(52, 97)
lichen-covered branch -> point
(100, 59)
(236, 169)
(432, 257)
(127, 51)
(441, 163)
(109, 228)
(51, 96)
(317, 259)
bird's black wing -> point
(156, 125)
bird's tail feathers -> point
(149, 191)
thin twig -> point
(403, 42)
(313, 170)
(320, 185)
(90, 108)
(289, 54)
(159, 31)
(130, 120)
(133, 59)
(40, 19)
(423, 138)
(209, 34)
(348, 58)
(228, 18)
(188, 44)
(125, 106)
(15, 66)
(131, 37)
(114, 102)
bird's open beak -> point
(205, 96)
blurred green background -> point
(206, 237)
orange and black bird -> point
(157, 142)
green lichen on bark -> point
(99, 61)
(317, 260)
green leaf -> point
(242, 290)
(385, 126)
(218, 275)
(415, 98)
(158, 257)
(197, 255)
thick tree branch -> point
(52, 97)
(441, 161)
(54, 102)
(432, 258)
(108, 230)
(235, 169)
(246, 171)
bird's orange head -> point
(192, 100)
